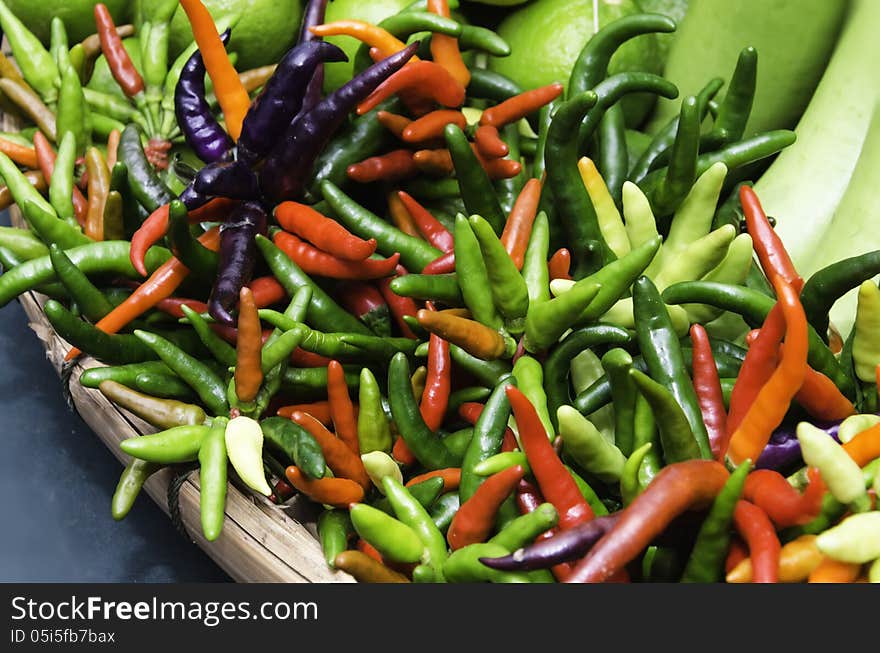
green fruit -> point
(265, 29)
(337, 74)
(675, 9)
(547, 36)
(78, 15)
(102, 80)
(794, 39)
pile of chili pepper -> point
(486, 338)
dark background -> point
(56, 480)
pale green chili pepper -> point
(374, 434)
(244, 446)
(840, 472)
(61, 184)
(587, 447)
(866, 341)
(856, 539)
(379, 465)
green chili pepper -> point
(199, 260)
(175, 445)
(323, 312)
(617, 362)
(754, 306)
(523, 530)
(201, 378)
(489, 373)
(442, 288)
(488, 85)
(706, 561)
(282, 347)
(476, 188)
(681, 171)
(464, 566)
(91, 301)
(301, 379)
(72, 113)
(502, 461)
(145, 184)
(508, 288)
(473, 276)
(547, 321)
(334, 530)
(212, 479)
(161, 413)
(411, 513)
(487, 438)
(458, 442)
(392, 538)
(736, 107)
(167, 386)
(49, 228)
(613, 159)
(630, 484)
(558, 361)
(130, 483)
(37, 65)
(124, 374)
(676, 435)
(415, 253)
(428, 449)
(443, 510)
(297, 445)
(22, 243)
(660, 347)
(588, 493)
(374, 433)
(545, 115)
(645, 432)
(425, 492)
(587, 447)
(219, 348)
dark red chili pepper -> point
(364, 300)
(559, 265)
(429, 226)
(475, 518)
(435, 397)
(441, 265)
(707, 385)
(313, 261)
(400, 306)
(757, 530)
(171, 306)
(396, 165)
(118, 61)
(782, 503)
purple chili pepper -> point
(784, 449)
(237, 258)
(291, 160)
(202, 131)
(232, 179)
(563, 546)
(192, 199)
(281, 98)
(313, 15)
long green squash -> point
(804, 186)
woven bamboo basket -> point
(260, 541)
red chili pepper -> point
(393, 122)
(151, 231)
(400, 306)
(707, 385)
(686, 485)
(559, 264)
(475, 518)
(518, 228)
(519, 106)
(324, 233)
(171, 306)
(118, 61)
(737, 553)
(267, 291)
(302, 358)
(435, 397)
(426, 78)
(363, 300)
(341, 407)
(431, 125)
(470, 412)
(528, 498)
(344, 462)
(320, 410)
(45, 157)
(444, 264)
(509, 442)
(393, 166)
(430, 227)
(757, 530)
(555, 482)
(784, 505)
(319, 263)
(774, 259)
(401, 452)
(489, 143)
(439, 163)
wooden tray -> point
(260, 541)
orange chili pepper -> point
(865, 446)
(444, 48)
(372, 35)
(368, 549)
(451, 478)
(519, 106)
(336, 492)
(323, 232)
(393, 122)
(797, 559)
(341, 407)
(774, 259)
(21, 154)
(502, 168)
(472, 336)
(425, 78)
(735, 555)
(314, 261)
(476, 517)
(771, 403)
(559, 265)
(161, 284)
(431, 125)
(434, 162)
(228, 88)
(248, 363)
(391, 166)
(148, 234)
(429, 227)
(757, 530)
(339, 457)
(518, 228)
(98, 189)
(267, 291)
(400, 216)
(401, 452)
(320, 410)
(489, 143)
(834, 571)
(112, 147)
(821, 397)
